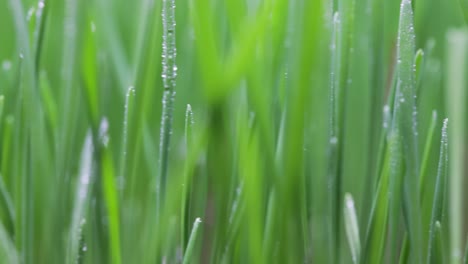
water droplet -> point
(6, 65)
(30, 13)
(386, 116)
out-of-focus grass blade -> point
(128, 115)
(418, 66)
(404, 252)
(8, 252)
(465, 258)
(439, 191)
(110, 196)
(455, 84)
(49, 102)
(187, 185)
(352, 227)
(188, 256)
(251, 173)
(427, 152)
(8, 209)
(89, 70)
(439, 253)
(207, 48)
(82, 198)
(395, 188)
(377, 227)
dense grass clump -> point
(233, 131)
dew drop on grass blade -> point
(169, 73)
(405, 118)
(81, 201)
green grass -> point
(233, 131)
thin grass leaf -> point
(418, 67)
(110, 196)
(81, 201)
(128, 114)
(439, 191)
(188, 256)
(352, 227)
(187, 185)
(169, 73)
(377, 226)
(427, 150)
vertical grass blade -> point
(405, 119)
(187, 184)
(439, 191)
(169, 73)
(352, 227)
(110, 196)
(128, 114)
(82, 198)
(457, 50)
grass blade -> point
(188, 256)
(352, 227)
(439, 191)
(169, 73)
(81, 203)
(457, 50)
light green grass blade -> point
(352, 227)
(81, 201)
(437, 205)
(188, 256)
(110, 196)
(457, 50)
(406, 126)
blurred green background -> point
(258, 76)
